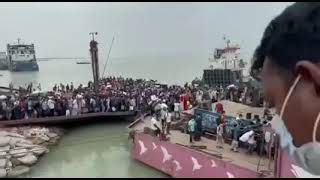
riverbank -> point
(22, 147)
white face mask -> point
(307, 155)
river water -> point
(171, 70)
(98, 150)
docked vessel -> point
(226, 66)
(21, 57)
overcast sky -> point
(140, 29)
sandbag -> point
(38, 140)
(29, 159)
(39, 150)
(3, 173)
(3, 163)
(51, 135)
(44, 137)
(245, 137)
(4, 141)
(18, 152)
(5, 148)
(26, 145)
(3, 154)
(15, 140)
(12, 134)
(3, 133)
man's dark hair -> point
(292, 36)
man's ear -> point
(310, 71)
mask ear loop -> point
(315, 127)
(289, 94)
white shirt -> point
(168, 119)
(220, 130)
(267, 137)
(70, 103)
(75, 104)
(67, 112)
(251, 140)
(163, 111)
(93, 101)
(44, 105)
(51, 104)
(29, 105)
(176, 107)
(154, 122)
(245, 137)
(4, 105)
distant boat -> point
(83, 62)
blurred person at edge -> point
(287, 61)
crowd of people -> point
(118, 94)
(114, 94)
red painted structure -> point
(179, 161)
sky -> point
(141, 29)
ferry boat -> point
(21, 57)
(225, 67)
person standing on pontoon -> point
(191, 128)
(235, 136)
(220, 135)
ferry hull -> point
(24, 66)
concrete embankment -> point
(21, 147)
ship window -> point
(22, 52)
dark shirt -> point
(236, 133)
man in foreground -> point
(287, 61)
